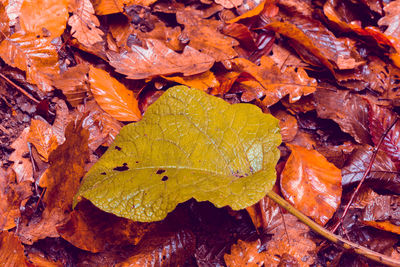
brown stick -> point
(19, 88)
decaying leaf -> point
(112, 96)
(37, 56)
(106, 7)
(245, 254)
(94, 230)
(229, 3)
(84, 24)
(162, 249)
(175, 152)
(158, 59)
(11, 250)
(202, 81)
(311, 184)
(22, 165)
(41, 135)
(277, 84)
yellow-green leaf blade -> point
(188, 144)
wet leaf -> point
(251, 13)
(37, 56)
(112, 96)
(229, 3)
(106, 7)
(210, 41)
(42, 16)
(277, 84)
(311, 184)
(383, 174)
(84, 24)
(94, 230)
(11, 250)
(162, 249)
(391, 19)
(41, 135)
(22, 165)
(202, 81)
(167, 165)
(380, 119)
(337, 104)
(158, 59)
(245, 254)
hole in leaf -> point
(165, 178)
(117, 148)
(103, 173)
(124, 167)
(160, 171)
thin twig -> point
(370, 254)
(366, 173)
(20, 89)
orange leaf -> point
(41, 135)
(106, 7)
(245, 254)
(13, 11)
(249, 14)
(229, 3)
(112, 96)
(201, 81)
(139, 2)
(84, 25)
(277, 84)
(158, 59)
(384, 225)
(311, 184)
(22, 166)
(11, 250)
(37, 56)
(42, 16)
(205, 36)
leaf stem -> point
(370, 254)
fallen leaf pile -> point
(123, 122)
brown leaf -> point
(158, 59)
(84, 24)
(264, 214)
(287, 124)
(11, 250)
(41, 135)
(37, 56)
(391, 19)
(162, 249)
(112, 96)
(94, 230)
(202, 81)
(22, 165)
(12, 194)
(12, 9)
(277, 84)
(311, 184)
(336, 105)
(245, 254)
(42, 16)
(205, 36)
(73, 84)
(62, 180)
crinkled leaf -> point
(391, 19)
(311, 184)
(250, 13)
(188, 144)
(383, 174)
(158, 59)
(37, 56)
(42, 136)
(112, 96)
(84, 24)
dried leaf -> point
(165, 153)
(250, 13)
(139, 2)
(41, 135)
(106, 7)
(39, 17)
(287, 124)
(311, 184)
(391, 19)
(84, 24)
(276, 84)
(337, 105)
(91, 229)
(13, 10)
(202, 81)
(383, 174)
(11, 251)
(22, 165)
(162, 249)
(112, 96)
(158, 59)
(37, 56)
(210, 41)
(380, 119)
(245, 254)
(12, 194)
(229, 3)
